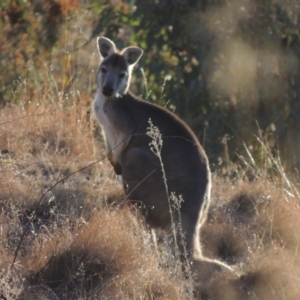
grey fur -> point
(124, 120)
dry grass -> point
(253, 227)
(81, 241)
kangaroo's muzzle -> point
(107, 91)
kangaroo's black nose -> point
(107, 91)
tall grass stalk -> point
(174, 203)
(156, 147)
(146, 84)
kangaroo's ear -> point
(132, 54)
(106, 47)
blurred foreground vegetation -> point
(229, 68)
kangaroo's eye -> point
(122, 74)
(103, 70)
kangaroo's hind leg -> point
(143, 182)
(185, 233)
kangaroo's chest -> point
(115, 136)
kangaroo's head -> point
(115, 69)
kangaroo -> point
(124, 120)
